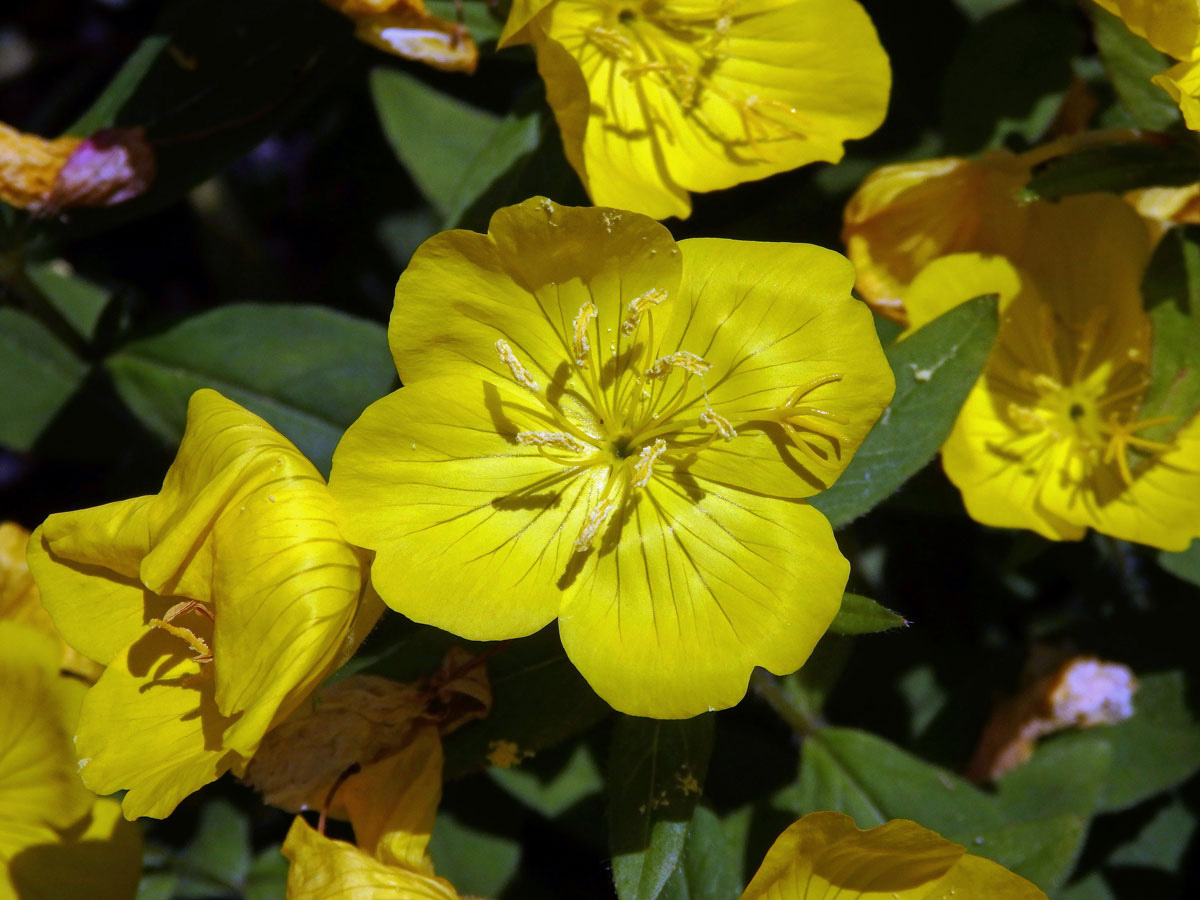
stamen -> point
(805, 389)
(187, 606)
(713, 419)
(644, 467)
(519, 373)
(582, 340)
(638, 306)
(610, 42)
(203, 653)
(596, 517)
(559, 439)
(681, 359)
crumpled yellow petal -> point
(524, 282)
(798, 325)
(824, 854)
(1172, 26)
(405, 28)
(29, 165)
(1182, 82)
(702, 587)
(482, 518)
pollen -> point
(710, 418)
(596, 517)
(520, 374)
(581, 341)
(644, 467)
(681, 359)
(638, 307)
(558, 439)
(203, 653)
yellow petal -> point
(824, 854)
(150, 725)
(1182, 82)
(29, 165)
(950, 280)
(1172, 26)
(524, 282)
(324, 869)
(772, 319)
(428, 39)
(519, 14)
(702, 587)
(431, 478)
(19, 600)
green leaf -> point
(1171, 288)
(1007, 78)
(655, 774)
(220, 849)
(476, 15)
(552, 793)
(104, 111)
(1116, 167)
(1185, 564)
(267, 879)
(935, 368)
(859, 615)
(478, 863)
(1130, 62)
(79, 301)
(39, 374)
(528, 677)
(454, 151)
(978, 9)
(307, 370)
(710, 868)
(1034, 825)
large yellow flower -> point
(1050, 437)
(656, 98)
(825, 855)
(57, 839)
(217, 605)
(607, 427)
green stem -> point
(794, 714)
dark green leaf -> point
(655, 775)
(1184, 564)
(935, 368)
(267, 879)
(528, 677)
(38, 373)
(1130, 62)
(1116, 167)
(558, 792)
(478, 863)
(514, 138)
(307, 370)
(860, 615)
(221, 848)
(1171, 288)
(104, 112)
(476, 15)
(79, 301)
(711, 865)
(1008, 78)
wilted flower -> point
(603, 426)
(406, 28)
(656, 99)
(48, 176)
(1050, 438)
(826, 855)
(217, 605)
(57, 839)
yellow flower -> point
(56, 838)
(656, 99)
(609, 428)
(391, 805)
(217, 605)
(826, 855)
(407, 29)
(1171, 26)
(1050, 437)
(1182, 82)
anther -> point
(559, 439)
(681, 359)
(582, 341)
(710, 418)
(519, 373)
(638, 307)
(203, 653)
(596, 517)
(644, 467)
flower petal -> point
(1172, 26)
(952, 280)
(772, 318)
(524, 282)
(1182, 82)
(701, 587)
(431, 478)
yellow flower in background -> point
(57, 839)
(657, 99)
(605, 427)
(217, 605)
(826, 855)
(1050, 438)
(1171, 26)
(392, 805)
(1182, 82)
(405, 28)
